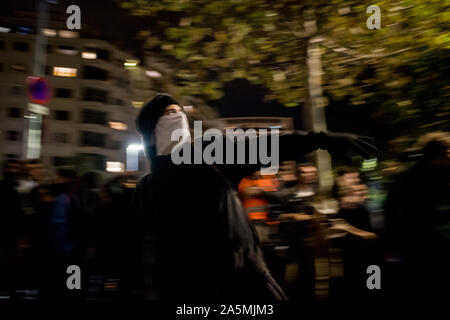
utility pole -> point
(36, 112)
(314, 119)
(314, 113)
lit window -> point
(153, 74)
(49, 32)
(118, 125)
(71, 51)
(131, 63)
(5, 29)
(67, 34)
(89, 55)
(114, 166)
(137, 104)
(64, 72)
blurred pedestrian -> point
(418, 216)
(10, 219)
(60, 227)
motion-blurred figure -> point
(418, 216)
(11, 212)
(359, 246)
(254, 192)
(351, 194)
(111, 233)
(10, 219)
(205, 248)
(59, 231)
(196, 216)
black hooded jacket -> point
(206, 250)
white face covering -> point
(173, 126)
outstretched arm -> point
(290, 147)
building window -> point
(63, 93)
(18, 68)
(115, 166)
(116, 102)
(49, 32)
(92, 116)
(64, 72)
(24, 30)
(62, 115)
(21, 46)
(15, 90)
(12, 135)
(91, 94)
(14, 112)
(101, 54)
(67, 34)
(68, 50)
(137, 104)
(153, 73)
(94, 73)
(122, 83)
(92, 139)
(115, 145)
(61, 138)
(118, 125)
(89, 55)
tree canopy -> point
(401, 68)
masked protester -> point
(205, 248)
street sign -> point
(38, 109)
(39, 91)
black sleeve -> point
(290, 147)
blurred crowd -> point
(48, 223)
(314, 245)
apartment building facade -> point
(90, 120)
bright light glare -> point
(133, 156)
(135, 147)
